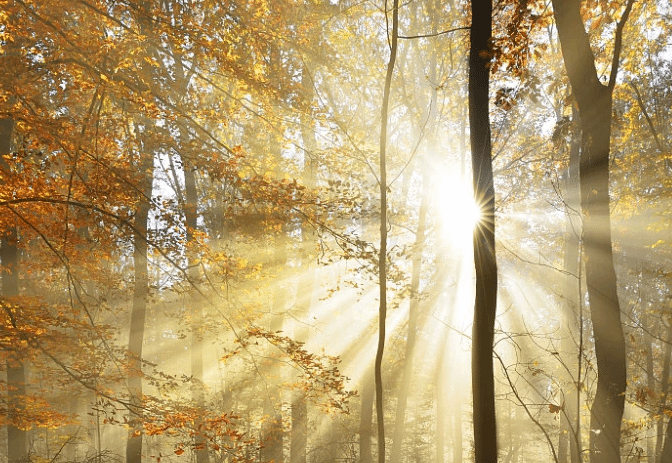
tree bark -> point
(382, 254)
(485, 306)
(17, 439)
(666, 454)
(138, 312)
(595, 105)
(570, 437)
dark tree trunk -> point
(485, 307)
(17, 439)
(138, 314)
(595, 104)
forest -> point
(313, 231)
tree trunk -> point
(366, 420)
(651, 452)
(457, 428)
(197, 328)
(664, 390)
(570, 433)
(440, 432)
(299, 429)
(138, 313)
(666, 455)
(17, 439)
(272, 430)
(382, 253)
(485, 306)
(595, 104)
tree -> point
(382, 252)
(485, 306)
(17, 437)
(595, 106)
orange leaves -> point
(516, 24)
(644, 394)
(552, 408)
(322, 381)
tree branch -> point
(434, 34)
(618, 44)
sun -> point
(457, 210)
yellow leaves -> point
(179, 451)
(259, 69)
(229, 355)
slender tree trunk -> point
(299, 407)
(299, 429)
(595, 104)
(382, 255)
(414, 305)
(457, 426)
(17, 439)
(272, 430)
(138, 313)
(190, 205)
(366, 419)
(485, 307)
(197, 328)
(440, 432)
(649, 346)
(664, 390)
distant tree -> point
(17, 438)
(139, 311)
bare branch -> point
(433, 34)
(618, 44)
